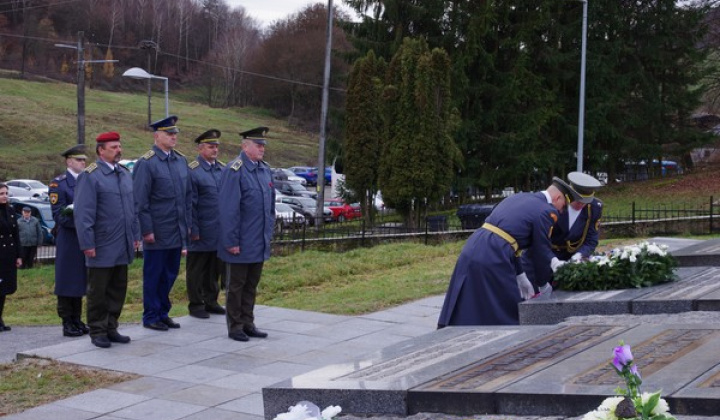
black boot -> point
(70, 329)
(80, 325)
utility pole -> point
(320, 186)
(81, 89)
(81, 83)
(148, 46)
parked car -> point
(341, 210)
(291, 176)
(293, 189)
(41, 210)
(27, 188)
(130, 164)
(286, 217)
(305, 206)
(307, 172)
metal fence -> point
(388, 227)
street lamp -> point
(138, 73)
(581, 111)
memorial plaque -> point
(523, 359)
(706, 253)
(379, 382)
(668, 358)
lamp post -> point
(581, 110)
(138, 73)
(323, 119)
(149, 45)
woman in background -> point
(9, 251)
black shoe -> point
(254, 332)
(101, 341)
(238, 336)
(4, 327)
(200, 313)
(170, 323)
(69, 329)
(81, 325)
(116, 337)
(159, 326)
(215, 309)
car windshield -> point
(306, 202)
(296, 187)
(46, 213)
(283, 208)
(36, 185)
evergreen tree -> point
(364, 130)
(418, 157)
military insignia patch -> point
(53, 198)
(53, 184)
(194, 164)
(148, 155)
(554, 217)
(237, 165)
(178, 153)
(220, 163)
(91, 168)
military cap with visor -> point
(256, 135)
(166, 125)
(75, 152)
(585, 185)
(209, 137)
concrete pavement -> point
(196, 372)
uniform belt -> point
(501, 233)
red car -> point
(342, 211)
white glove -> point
(576, 257)
(526, 289)
(545, 292)
(556, 263)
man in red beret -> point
(108, 233)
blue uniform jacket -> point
(205, 181)
(483, 289)
(105, 215)
(582, 238)
(163, 197)
(247, 211)
(70, 272)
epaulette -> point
(178, 152)
(194, 164)
(91, 168)
(237, 165)
(220, 163)
(149, 154)
(60, 177)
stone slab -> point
(697, 287)
(526, 370)
(684, 295)
(705, 253)
(378, 382)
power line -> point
(170, 55)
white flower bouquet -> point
(641, 265)
(305, 410)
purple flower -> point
(634, 370)
(622, 356)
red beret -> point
(109, 136)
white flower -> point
(610, 403)
(596, 415)
(296, 412)
(656, 250)
(632, 258)
(660, 408)
(330, 412)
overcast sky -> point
(267, 11)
